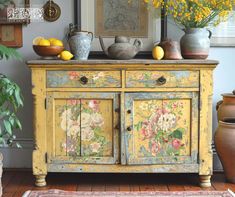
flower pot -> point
(195, 43)
(226, 107)
(225, 147)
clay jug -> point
(226, 107)
(225, 147)
(171, 49)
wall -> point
(19, 72)
(224, 81)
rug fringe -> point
(26, 194)
(231, 192)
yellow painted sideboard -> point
(140, 116)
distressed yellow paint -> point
(137, 79)
(48, 157)
(206, 153)
(72, 79)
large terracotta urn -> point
(226, 107)
(225, 147)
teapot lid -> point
(122, 39)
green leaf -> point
(7, 126)
(178, 134)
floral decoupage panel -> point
(68, 129)
(97, 128)
(163, 128)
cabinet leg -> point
(40, 180)
(205, 180)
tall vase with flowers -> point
(194, 16)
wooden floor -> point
(15, 183)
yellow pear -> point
(158, 53)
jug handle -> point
(210, 33)
(138, 43)
(218, 104)
(92, 35)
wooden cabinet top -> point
(124, 63)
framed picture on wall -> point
(5, 10)
(110, 18)
(224, 34)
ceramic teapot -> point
(122, 49)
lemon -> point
(158, 52)
(37, 40)
(56, 43)
(65, 55)
(44, 42)
(52, 39)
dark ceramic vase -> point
(195, 43)
(225, 147)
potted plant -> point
(193, 16)
(10, 102)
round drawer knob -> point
(161, 80)
(128, 128)
(84, 80)
(129, 111)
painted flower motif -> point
(73, 131)
(141, 77)
(155, 147)
(146, 133)
(73, 75)
(66, 119)
(99, 75)
(95, 147)
(97, 120)
(85, 119)
(144, 106)
(87, 134)
(166, 122)
(73, 102)
(176, 143)
(94, 105)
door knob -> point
(129, 111)
(128, 128)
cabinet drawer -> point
(157, 79)
(83, 79)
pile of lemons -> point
(40, 41)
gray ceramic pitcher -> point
(80, 44)
(195, 43)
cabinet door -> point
(82, 127)
(161, 128)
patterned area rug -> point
(60, 193)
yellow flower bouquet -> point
(195, 13)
